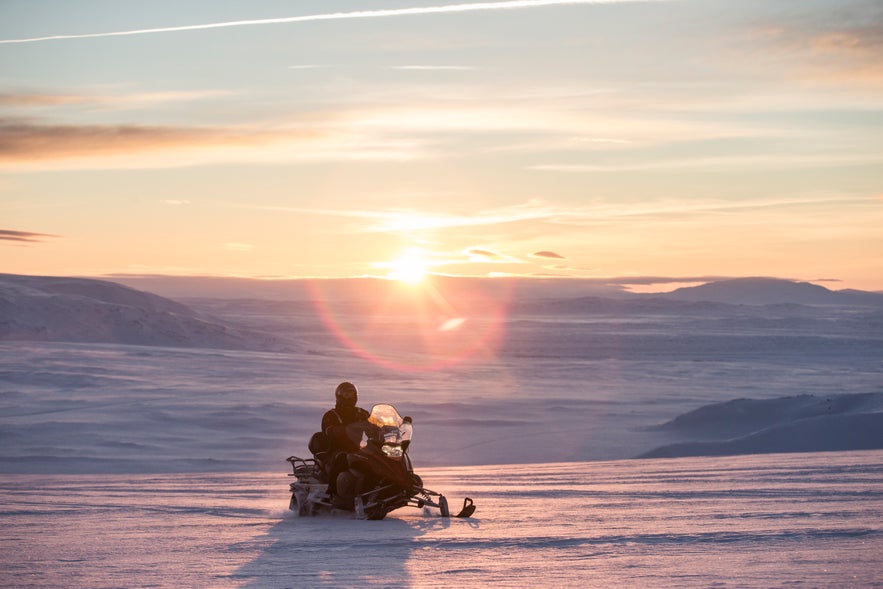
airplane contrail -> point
(503, 5)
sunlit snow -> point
(804, 520)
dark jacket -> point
(334, 424)
(343, 416)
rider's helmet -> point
(346, 394)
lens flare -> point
(415, 327)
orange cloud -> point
(36, 99)
(24, 143)
(832, 51)
(851, 54)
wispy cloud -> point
(482, 254)
(111, 100)
(602, 140)
(653, 280)
(433, 67)
(412, 67)
(754, 162)
(24, 236)
(398, 132)
(412, 221)
(839, 47)
(660, 210)
(22, 140)
(547, 255)
(37, 99)
(26, 144)
(383, 13)
(423, 222)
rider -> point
(345, 410)
(334, 424)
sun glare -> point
(411, 267)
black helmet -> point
(346, 394)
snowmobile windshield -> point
(391, 424)
(383, 415)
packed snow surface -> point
(796, 520)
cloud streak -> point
(23, 236)
(751, 161)
(384, 13)
(433, 67)
(409, 221)
(26, 144)
(547, 255)
(538, 211)
(21, 140)
(115, 101)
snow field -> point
(795, 520)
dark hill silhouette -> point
(47, 308)
(771, 291)
(802, 423)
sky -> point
(649, 143)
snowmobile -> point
(372, 478)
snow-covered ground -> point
(795, 520)
(148, 465)
(79, 408)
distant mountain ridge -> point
(771, 291)
(101, 290)
(742, 296)
(47, 308)
(733, 291)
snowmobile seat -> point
(320, 446)
(323, 451)
(319, 443)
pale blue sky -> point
(669, 138)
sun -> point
(411, 267)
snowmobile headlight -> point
(393, 451)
